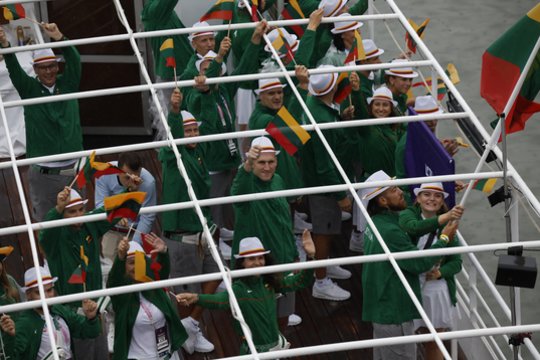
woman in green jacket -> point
(423, 222)
(256, 295)
(147, 325)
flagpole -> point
(75, 179)
(229, 28)
(497, 132)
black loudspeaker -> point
(515, 270)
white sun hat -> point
(250, 247)
(370, 193)
(75, 199)
(331, 7)
(404, 72)
(436, 187)
(383, 93)
(200, 33)
(345, 25)
(371, 49)
(209, 56)
(427, 105)
(268, 84)
(31, 277)
(41, 56)
(322, 84)
(189, 119)
(266, 145)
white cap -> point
(370, 193)
(189, 119)
(267, 84)
(291, 39)
(427, 105)
(31, 277)
(384, 94)
(436, 187)
(371, 49)
(209, 56)
(75, 199)
(345, 25)
(331, 7)
(202, 33)
(41, 56)
(404, 72)
(265, 144)
(322, 84)
(250, 247)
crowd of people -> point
(149, 324)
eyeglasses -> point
(50, 67)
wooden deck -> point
(323, 322)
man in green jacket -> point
(52, 128)
(28, 338)
(386, 303)
(64, 249)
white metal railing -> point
(392, 257)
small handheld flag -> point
(484, 185)
(222, 9)
(95, 169)
(126, 205)
(292, 11)
(357, 51)
(13, 12)
(282, 46)
(78, 276)
(167, 52)
(155, 266)
(411, 44)
(452, 73)
(287, 131)
(344, 88)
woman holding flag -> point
(147, 325)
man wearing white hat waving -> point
(50, 128)
(28, 337)
(386, 303)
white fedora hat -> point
(75, 199)
(189, 119)
(427, 105)
(250, 247)
(370, 193)
(209, 56)
(201, 33)
(371, 49)
(268, 84)
(43, 56)
(345, 25)
(383, 93)
(331, 7)
(436, 187)
(404, 72)
(322, 84)
(31, 277)
(266, 145)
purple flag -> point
(425, 156)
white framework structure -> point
(467, 300)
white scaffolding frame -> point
(131, 36)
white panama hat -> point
(404, 72)
(383, 93)
(371, 193)
(31, 277)
(268, 84)
(322, 84)
(345, 25)
(436, 187)
(250, 247)
(427, 105)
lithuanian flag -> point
(357, 51)
(126, 205)
(13, 12)
(502, 64)
(411, 44)
(95, 169)
(222, 9)
(167, 51)
(282, 46)
(140, 267)
(292, 11)
(452, 73)
(484, 185)
(79, 275)
(344, 88)
(287, 131)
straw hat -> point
(404, 72)
(75, 199)
(291, 39)
(345, 25)
(322, 84)
(250, 247)
(4, 252)
(427, 105)
(265, 144)
(31, 278)
(331, 7)
(209, 56)
(371, 193)
(43, 56)
(383, 93)
(189, 119)
(371, 49)
(202, 33)
(268, 84)
(436, 187)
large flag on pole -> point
(222, 9)
(425, 156)
(411, 44)
(287, 131)
(502, 64)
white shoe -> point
(337, 272)
(345, 216)
(189, 344)
(300, 224)
(226, 234)
(202, 345)
(225, 249)
(328, 290)
(300, 247)
(294, 320)
(356, 242)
